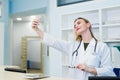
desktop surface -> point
(10, 75)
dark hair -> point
(79, 37)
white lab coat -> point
(100, 59)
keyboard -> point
(15, 70)
(34, 76)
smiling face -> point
(81, 26)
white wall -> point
(34, 52)
(55, 56)
(20, 29)
(1, 43)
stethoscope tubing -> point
(76, 51)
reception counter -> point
(8, 75)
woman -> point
(88, 56)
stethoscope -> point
(75, 54)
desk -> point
(7, 75)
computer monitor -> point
(103, 78)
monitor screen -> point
(103, 78)
(67, 2)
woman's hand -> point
(86, 68)
(35, 24)
(82, 67)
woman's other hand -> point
(82, 67)
(86, 68)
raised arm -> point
(48, 39)
(35, 24)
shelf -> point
(68, 28)
(95, 25)
(111, 41)
(111, 25)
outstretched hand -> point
(35, 23)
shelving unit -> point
(111, 24)
(105, 26)
(24, 53)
